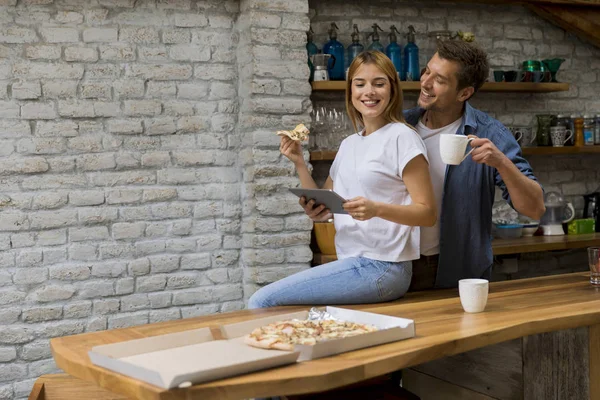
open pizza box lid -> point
(195, 356)
(184, 358)
(390, 328)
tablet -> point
(331, 199)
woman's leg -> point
(349, 281)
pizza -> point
(300, 133)
(283, 335)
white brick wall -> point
(122, 200)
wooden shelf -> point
(520, 245)
(487, 87)
(329, 155)
(548, 150)
(325, 155)
(544, 243)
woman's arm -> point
(422, 210)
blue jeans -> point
(352, 280)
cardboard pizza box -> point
(391, 329)
(194, 356)
(185, 358)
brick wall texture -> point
(140, 179)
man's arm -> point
(525, 194)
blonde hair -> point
(393, 111)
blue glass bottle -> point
(355, 48)
(376, 44)
(394, 50)
(311, 49)
(410, 63)
(336, 49)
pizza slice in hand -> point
(300, 133)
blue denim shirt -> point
(467, 200)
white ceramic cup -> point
(559, 135)
(453, 147)
(473, 294)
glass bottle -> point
(410, 63)
(394, 50)
(336, 49)
(311, 49)
(355, 48)
(376, 44)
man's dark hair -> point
(472, 59)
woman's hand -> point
(317, 213)
(292, 149)
(360, 208)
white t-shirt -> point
(371, 166)
(430, 236)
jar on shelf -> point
(589, 126)
(597, 130)
(578, 124)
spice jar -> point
(578, 123)
(588, 129)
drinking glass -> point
(594, 261)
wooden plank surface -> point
(556, 365)
(544, 243)
(550, 150)
(65, 387)
(582, 21)
(329, 155)
(514, 309)
(430, 388)
(530, 244)
(594, 349)
(495, 371)
(521, 87)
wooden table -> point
(515, 309)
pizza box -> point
(391, 329)
(195, 356)
(180, 359)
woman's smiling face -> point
(371, 91)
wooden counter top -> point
(515, 309)
(530, 244)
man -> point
(459, 245)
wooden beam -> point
(577, 3)
(582, 21)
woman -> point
(383, 171)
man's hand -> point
(486, 152)
(318, 214)
(360, 208)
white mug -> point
(473, 294)
(560, 135)
(453, 147)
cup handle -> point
(568, 137)
(466, 155)
(532, 141)
(518, 135)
